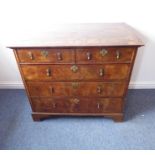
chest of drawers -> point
(85, 71)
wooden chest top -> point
(79, 35)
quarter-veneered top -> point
(89, 34)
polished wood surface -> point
(85, 34)
(83, 89)
(83, 75)
(94, 55)
(77, 105)
(84, 72)
(45, 56)
(80, 55)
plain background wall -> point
(27, 19)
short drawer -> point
(75, 72)
(46, 55)
(104, 55)
(83, 89)
(77, 105)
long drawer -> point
(86, 89)
(77, 105)
(80, 55)
(75, 72)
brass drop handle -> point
(59, 56)
(51, 90)
(30, 55)
(98, 105)
(74, 68)
(44, 53)
(103, 52)
(101, 72)
(117, 54)
(54, 105)
(48, 72)
(88, 55)
(99, 89)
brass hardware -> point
(52, 90)
(30, 55)
(74, 68)
(74, 104)
(117, 54)
(44, 53)
(74, 101)
(101, 72)
(48, 72)
(59, 56)
(99, 89)
(103, 52)
(75, 85)
(88, 55)
(98, 105)
(54, 105)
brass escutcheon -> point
(74, 68)
(74, 101)
(103, 52)
(44, 53)
(75, 85)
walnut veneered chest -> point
(84, 70)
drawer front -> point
(46, 55)
(83, 89)
(101, 55)
(75, 72)
(77, 105)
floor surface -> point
(18, 131)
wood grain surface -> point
(89, 34)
